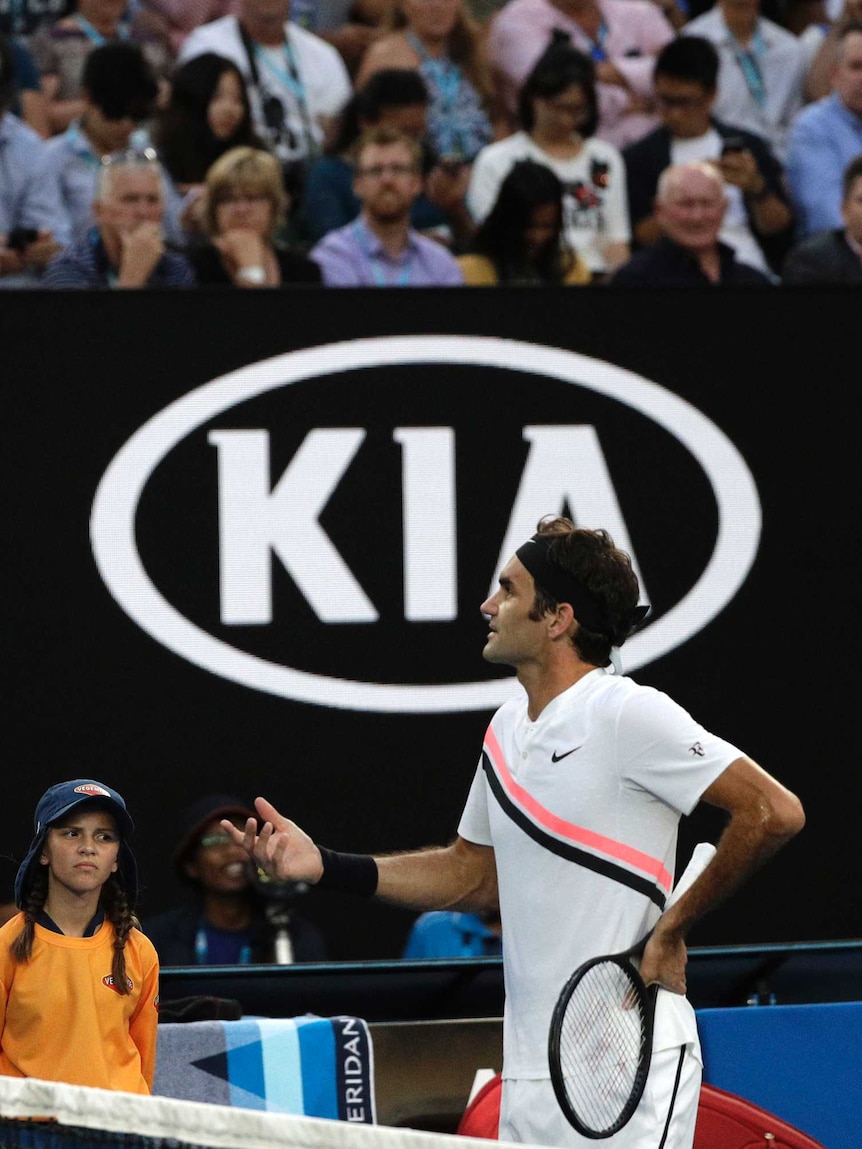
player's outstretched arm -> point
(462, 875)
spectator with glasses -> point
(758, 223)
(379, 248)
(233, 918)
(559, 112)
(119, 91)
(126, 248)
(622, 37)
(244, 206)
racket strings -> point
(602, 1045)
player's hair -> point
(592, 557)
(112, 899)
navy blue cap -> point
(59, 801)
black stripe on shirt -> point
(565, 849)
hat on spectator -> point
(201, 813)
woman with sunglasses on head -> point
(243, 210)
(78, 978)
(558, 113)
(521, 242)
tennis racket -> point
(600, 1041)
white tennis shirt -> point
(582, 808)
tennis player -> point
(78, 979)
(571, 823)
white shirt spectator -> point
(595, 201)
(781, 61)
(306, 74)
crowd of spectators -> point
(261, 143)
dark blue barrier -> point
(801, 1062)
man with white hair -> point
(126, 248)
(690, 205)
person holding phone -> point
(758, 222)
(33, 223)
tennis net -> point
(37, 1114)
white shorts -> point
(664, 1119)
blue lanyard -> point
(82, 149)
(748, 61)
(202, 950)
(597, 46)
(289, 75)
(404, 276)
(447, 75)
(94, 35)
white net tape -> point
(200, 1124)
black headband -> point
(588, 609)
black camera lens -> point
(273, 113)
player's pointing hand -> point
(281, 849)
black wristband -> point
(350, 873)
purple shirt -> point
(353, 256)
(637, 30)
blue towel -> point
(307, 1066)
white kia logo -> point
(258, 521)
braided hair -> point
(114, 902)
(22, 947)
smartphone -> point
(731, 145)
(20, 238)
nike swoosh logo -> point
(555, 757)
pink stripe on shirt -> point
(652, 867)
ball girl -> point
(78, 978)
